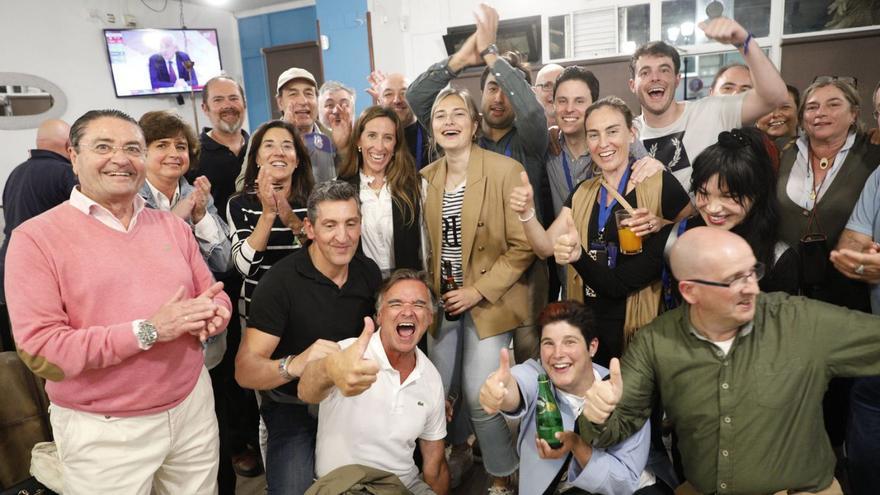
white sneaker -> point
(460, 462)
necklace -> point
(824, 163)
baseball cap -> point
(295, 73)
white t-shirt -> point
(678, 144)
(379, 427)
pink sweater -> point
(74, 286)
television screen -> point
(148, 62)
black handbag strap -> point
(551, 489)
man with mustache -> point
(741, 374)
(676, 132)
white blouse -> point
(800, 181)
(377, 224)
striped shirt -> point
(450, 242)
(243, 212)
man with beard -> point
(390, 91)
(513, 120)
(224, 147)
(676, 132)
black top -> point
(220, 165)
(606, 289)
(298, 304)
(421, 157)
(43, 181)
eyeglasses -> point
(545, 87)
(739, 281)
(852, 81)
(132, 150)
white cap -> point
(295, 73)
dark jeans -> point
(290, 452)
(863, 437)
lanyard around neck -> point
(605, 211)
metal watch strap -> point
(147, 334)
(492, 48)
(282, 367)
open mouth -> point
(570, 119)
(278, 164)
(561, 367)
(377, 157)
(716, 219)
(406, 329)
(451, 132)
(656, 93)
(607, 154)
(777, 123)
(119, 173)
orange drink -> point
(630, 243)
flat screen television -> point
(149, 62)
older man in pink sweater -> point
(111, 302)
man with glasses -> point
(111, 302)
(545, 82)
(741, 374)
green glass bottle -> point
(548, 419)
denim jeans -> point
(464, 361)
(290, 452)
(863, 436)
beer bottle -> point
(447, 283)
(548, 419)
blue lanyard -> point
(567, 171)
(605, 211)
(419, 151)
(484, 143)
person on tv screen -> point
(168, 67)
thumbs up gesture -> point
(567, 248)
(350, 372)
(602, 397)
(498, 386)
(522, 197)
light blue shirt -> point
(612, 471)
(865, 219)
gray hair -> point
(401, 275)
(79, 127)
(331, 190)
(331, 86)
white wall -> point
(56, 40)
(408, 34)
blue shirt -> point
(611, 471)
(865, 219)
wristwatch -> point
(146, 334)
(492, 48)
(282, 367)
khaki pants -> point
(834, 488)
(172, 452)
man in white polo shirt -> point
(380, 393)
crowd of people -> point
(699, 283)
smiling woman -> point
(381, 166)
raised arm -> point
(500, 391)
(522, 203)
(769, 91)
(347, 370)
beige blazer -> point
(495, 254)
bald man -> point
(40, 182)
(390, 91)
(741, 374)
(545, 82)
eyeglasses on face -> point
(132, 150)
(546, 86)
(738, 281)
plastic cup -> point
(630, 243)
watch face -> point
(714, 9)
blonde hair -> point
(469, 103)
